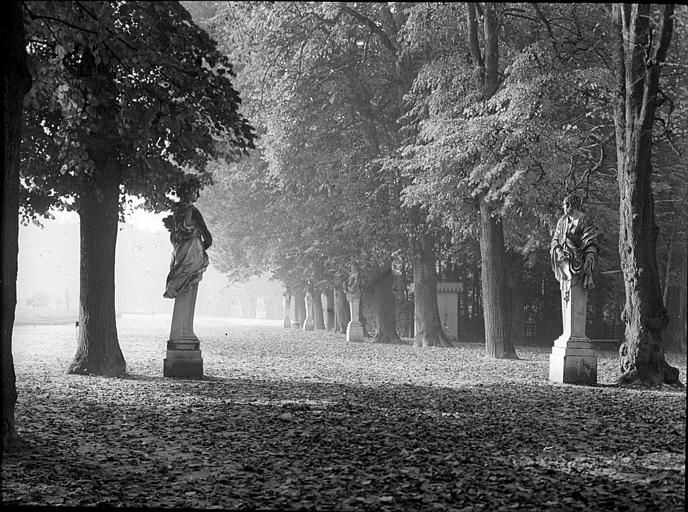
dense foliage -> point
(137, 76)
(374, 108)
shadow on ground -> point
(248, 443)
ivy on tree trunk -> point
(642, 46)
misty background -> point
(48, 275)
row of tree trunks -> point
(98, 350)
(427, 324)
(642, 48)
(16, 82)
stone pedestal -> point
(573, 359)
(354, 329)
(183, 358)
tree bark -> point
(98, 351)
(427, 323)
(496, 303)
(642, 47)
(329, 313)
(383, 300)
(342, 310)
(16, 82)
(299, 306)
(318, 319)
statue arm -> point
(206, 237)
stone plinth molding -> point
(354, 329)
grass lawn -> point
(304, 420)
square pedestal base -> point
(185, 364)
(573, 361)
(354, 331)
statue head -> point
(189, 191)
(572, 202)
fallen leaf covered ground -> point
(286, 419)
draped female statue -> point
(190, 238)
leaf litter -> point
(299, 420)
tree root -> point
(82, 367)
(668, 377)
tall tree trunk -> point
(298, 299)
(98, 351)
(496, 303)
(329, 313)
(16, 81)
(318, 319)
(642, 48)
(427, 323)
(383, 300)
(342, 310)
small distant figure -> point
(574, 247)
(190, 238)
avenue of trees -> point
(403, 143)
(421, 141)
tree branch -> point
(373, 27)
(547, 24)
